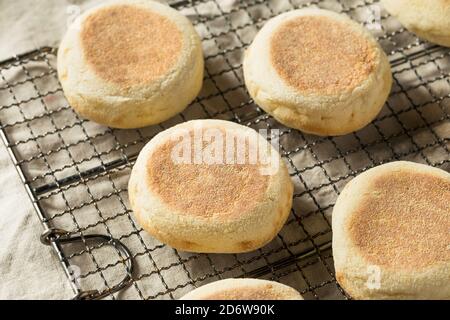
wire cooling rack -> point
(76, 171)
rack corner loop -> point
(62, 237)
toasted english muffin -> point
(391, 233)
(243, 289)
(130, 63)
(428, 19)
(317, 71)
(236, 201)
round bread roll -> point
(216, 198)
(243, 289)
(391, 233)
(130, 63)
(430, 20)
(317, 71)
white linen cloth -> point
(28, 269)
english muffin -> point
(210, 186)
(130, 63)
(391, 233)
(430, 20)
(317, 71)
(243, 289)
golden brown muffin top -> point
(206, 190)
(319, 55)
(128, 45)
(403, 220)
(260, 292)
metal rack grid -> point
(76, 171)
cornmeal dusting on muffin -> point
(129, 46)
(205, 189)
(316, 54)
(266, 292)
(404, 222)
